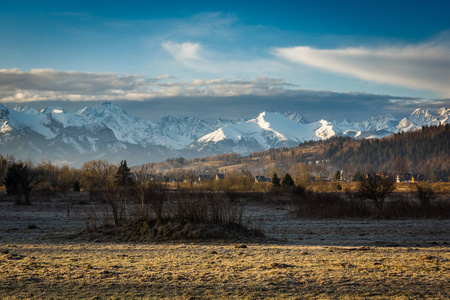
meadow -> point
(46, 253)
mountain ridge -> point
(107, 131)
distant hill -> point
(423, 151)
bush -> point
(329, 205)
(425, 194)
(377, 189)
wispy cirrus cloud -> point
(195, 56)
(425, 66)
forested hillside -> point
(424, 151)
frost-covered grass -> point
(302, 258)
(190, 270)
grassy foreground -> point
(220, 270)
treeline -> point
(425, 151)
(44, 177)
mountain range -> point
(108, 132)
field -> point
(41, 257)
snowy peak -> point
(296, 117)
(4, 112)
(189, 127)
(419, 112)
(385, 122)
(443, 112)
(26, 109)
(101, 131)
(421, 117)
(267, 130)
(104, 110)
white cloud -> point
(424, 66)
(183, 52)
(196, 57)
(50, 85)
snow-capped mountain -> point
(268, 130)
(108, 132)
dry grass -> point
(313, 259)
(189, 271)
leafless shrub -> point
(328, 205)
(336, 205)
(377, 189)
(205, 207)
(399, 206)
(425, 194)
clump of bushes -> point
(374, 198)
(154, 212)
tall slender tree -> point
(123, 175)
(18, 182)
(275, 180)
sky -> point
(324, 59)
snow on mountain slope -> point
(23, 122)
(182, 131)
(26, 109)
(296, 117)
(126, 128)
(65, 118)
(107, 131)
(421, 117)
(266, 131)
(386, 122)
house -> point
(202, 178)
(410, 177)
(260, 178)
(220, 176)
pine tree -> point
(275, 180)
(123, 175)
(287, 180)
(76, 186)
(337, 176)
(18, 182)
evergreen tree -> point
(18, 182)
(275, 180)
(337, 176)
(76, 186)
(287, 180)
(123, 175)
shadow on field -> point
(321, 219)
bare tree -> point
(65, 179)
(301, 173)
(377, 189)
(425, 194)
(99, 176)
(141, 179)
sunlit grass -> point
(185, 270)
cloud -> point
(196, 57)
(208, 98)
(47, 84)
(424, 66)
(185, 51)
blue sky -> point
(324, 59)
